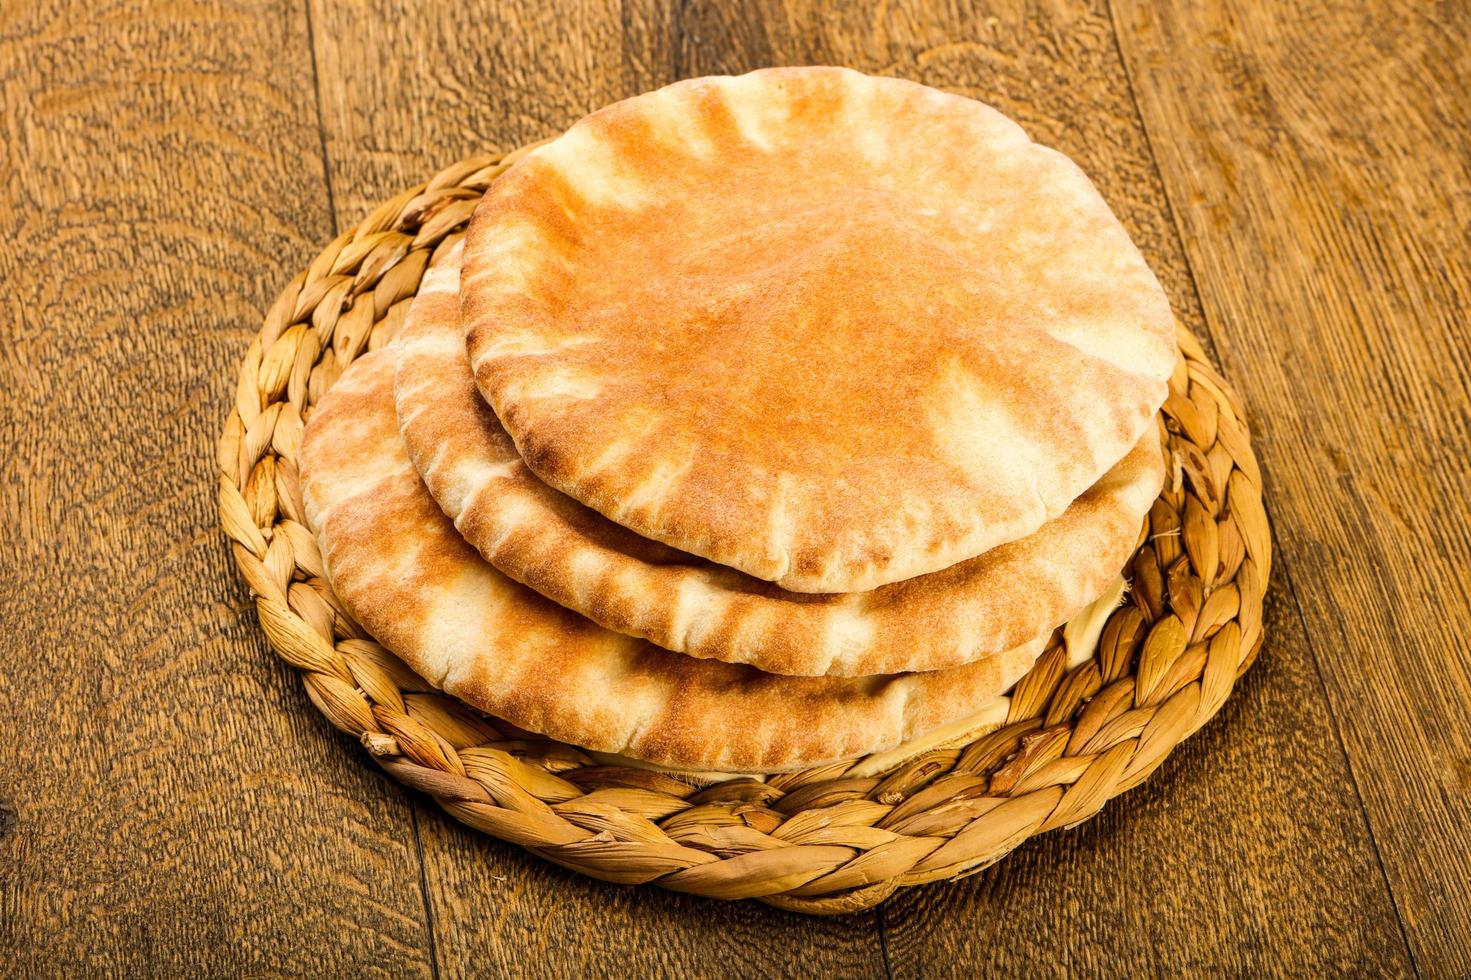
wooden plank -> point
(1247, 851)
(175, 804)
(1316, 157)
(535, 70)
(409, 88)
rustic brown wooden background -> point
(170, 803)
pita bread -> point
(832, 330)
(629, 584)
(399, 567)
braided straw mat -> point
(838, 838)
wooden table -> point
(170, 803)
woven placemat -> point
(825, 840)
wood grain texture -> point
(177, 807)
(449, 80)
(1319, 163)
(170, 802)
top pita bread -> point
(572, 554)
(832, 330)
(399, 567)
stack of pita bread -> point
(755, 423)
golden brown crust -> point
(629, 584)
(402, 571)
(831, 330)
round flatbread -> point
(572, 554)
(832, 330)
(398, 566)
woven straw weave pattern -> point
(821, 840)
